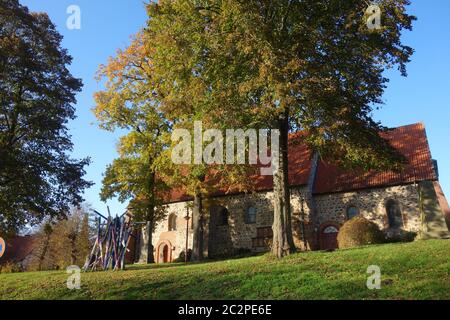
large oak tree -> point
(174, 39)
(289, 65)
(37, 92)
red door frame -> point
(167, 255)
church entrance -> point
(328, 237)
(163, 253)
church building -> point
(323, 198)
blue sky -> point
(106, 25)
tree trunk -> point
(283, 242)
(147, 255)
(150, 255)
(44, 252)
(146, 246)
(73, 245)
(197, 228)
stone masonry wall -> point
(175, 239)
(238, 234)
(329, 208)
(372, 205)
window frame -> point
(347, 211)
(224, 216)
(172, 223)
(387, 206)
(247, 215)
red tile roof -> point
(410, 140)
(299, 166)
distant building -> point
(19, 251)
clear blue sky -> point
(107, 24)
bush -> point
(359, 232)
(10, 267)
(182, 256)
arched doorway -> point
(164, 252)
(328, 236)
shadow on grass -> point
(182, 264)
(235, 286)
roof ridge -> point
(418, 125)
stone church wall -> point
(372, 205)
(237, 234)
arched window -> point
(330, 230)
(394, 214)
(250, 215)
(172, 222)
(352, 212)
(223, 216)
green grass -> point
(418, 270)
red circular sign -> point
(2, 247)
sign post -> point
(2, 247)
(187, 235)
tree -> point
(69, 241)
(184, 98)
(83, 240)
(128, 103)
(61, 243)
(43, 244)
(291, 65)
(38, 179)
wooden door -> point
(328, 238)
(166, 254)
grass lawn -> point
(418, 270)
